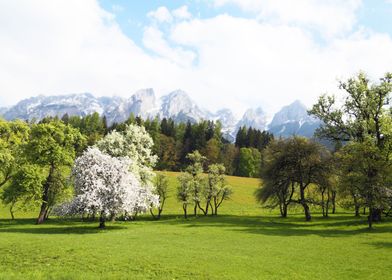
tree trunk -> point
(207, 208)
(202, 210)
(48, 212)
(327, 205)
(195, 209)
(102, 221)
(159, 213)
(184, 206)
(160, 208)
(42, 213)
(322, 203)
(308, 217)
(370, 218)
(333, 200)
(284, 210)
(357, 211)
(364, 210)
(45, 197)
(12, 211)
(152, 214)
(356, 205)
(281, 209)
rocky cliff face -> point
(291, 119)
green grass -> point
(244, 242)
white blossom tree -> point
(104, 185)
(136, 144)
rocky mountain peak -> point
(254, 117)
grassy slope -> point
(245, 242)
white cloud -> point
(182, 13)
(153, 39)
(330, 17)
(273, 65)
(162, 14)
(223, 61)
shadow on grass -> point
(54, 226)
(335, 226)
(381, 245)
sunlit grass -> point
(244, 242)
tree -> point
(135, 143)
(249, 162)
(52, 146)
(240, 140)
(217, 190)
(13, 136)
(290, 166)
(364, 168)
(184, 191)
(212, 150)
(24, 189)
(229, 158)
(104, 185)
(166, 152)
(161, 184)
(195, 170)
(277, 186)
(363, 117)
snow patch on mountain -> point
(291, 119)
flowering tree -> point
(104, 185)
(136, 144)
(216, 190)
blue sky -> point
(224, 53)
(132, 15)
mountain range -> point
(291, 119)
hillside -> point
(243, 242)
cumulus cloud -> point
(162, 14)
(182, 13)
(330, 17)
(221, 61)
(153, 39)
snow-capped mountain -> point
(176, 105)
(143, 103)
(229, 123)
(41, 106)
(293, 119)
(180, 107)
(255, 118)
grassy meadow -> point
(244, 242)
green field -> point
(243, 242)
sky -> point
(223, 53)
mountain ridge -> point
(291, 119)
